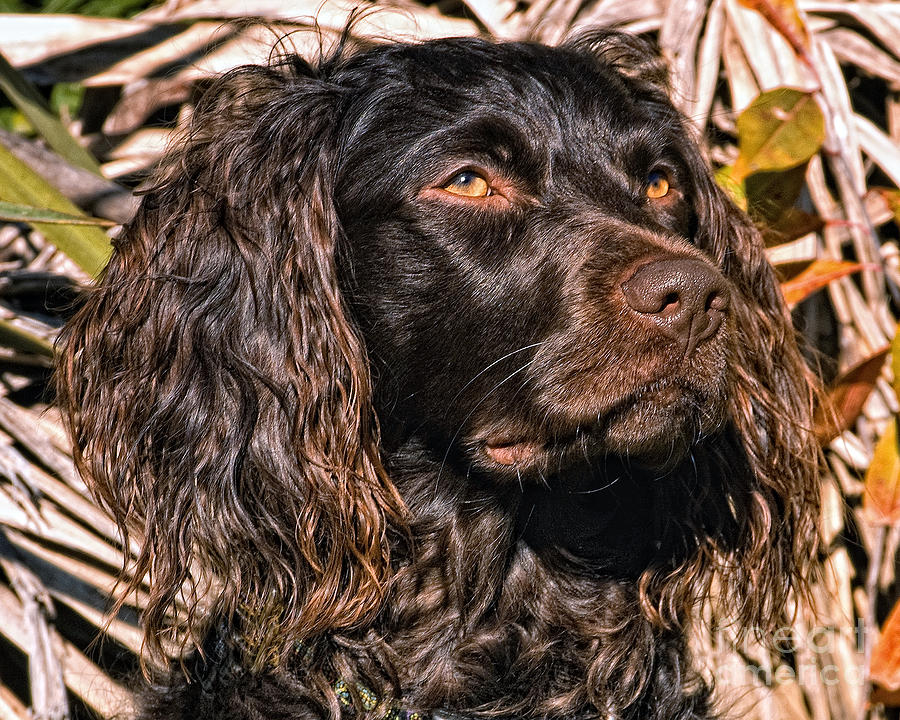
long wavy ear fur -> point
(216, 393)
(774, 397)
(766, 546)
(629, 55)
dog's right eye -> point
(657, 185)
(468, 184)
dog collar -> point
(369, 701)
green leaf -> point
(21, 94)
(14, 212)
(66, 99)
(112, 8)
(13, 120)
(61, 6)
(895, 361)
(780, 130)
(23, 341)
(88, 246)
(734, 187)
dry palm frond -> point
(59, 553)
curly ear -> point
(218, 397)
(629, 55)
(775, 393)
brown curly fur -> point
(293, 379)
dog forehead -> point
(433, 82)
(461, 61)
(451, 98)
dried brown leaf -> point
(774, 61)
(31, 39)
(882, 19)
(407, 22)
(880, 148)
(853, 48)
(784, 16)
(11, 708)
(199, 37)
(847, 396)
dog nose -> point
(686, 299)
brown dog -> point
(444, 376)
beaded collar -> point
(369, 701)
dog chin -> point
(658, 444)
(656, 433)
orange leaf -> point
(881, 499)
(784, 16)
(892, 198)
(815, 277)
(847, 395)
(885, 666)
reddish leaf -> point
(815, 277)
(885, 666)
(788, 270)
(847, 395)
(784, 16)
(888, 698)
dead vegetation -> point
(831, 212)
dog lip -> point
(512, 453)
(519, 451)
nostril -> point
(671, 299)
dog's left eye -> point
(468, 184)
(657, 185)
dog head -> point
(529, 260)
(512, 253)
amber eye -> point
(657, 185)
(468, 184)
